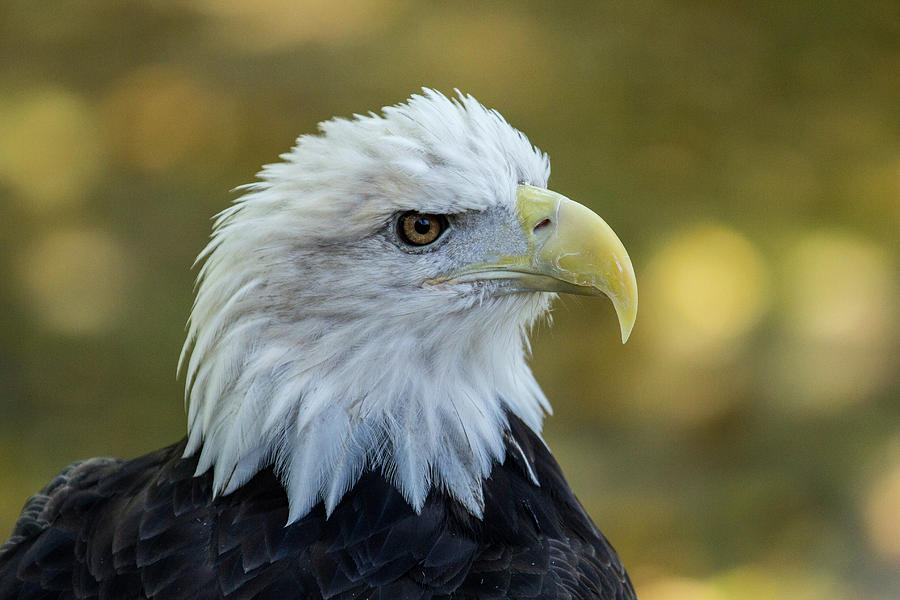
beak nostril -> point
(542, 225)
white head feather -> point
(313, 345)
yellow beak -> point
(570, 250)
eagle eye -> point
(421, 229)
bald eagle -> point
(362, 419)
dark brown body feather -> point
(146, 528)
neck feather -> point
(424, 402)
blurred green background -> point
(744, 444)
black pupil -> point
(422, 225)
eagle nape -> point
(362, 418)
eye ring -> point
(420, 229)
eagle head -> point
(366, 305)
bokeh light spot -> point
(50, 150)
(267, 25)
(838, 344)
(158, 117)
(679, 588)
(707, 287)
(882, 514)
(838, 288)
(75, 281)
